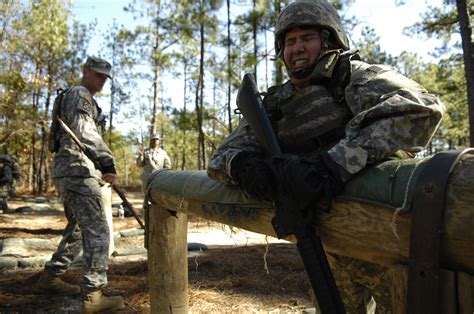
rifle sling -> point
(319, 272)
(425, 234)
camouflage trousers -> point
(87, 229)
(359, 281)
(12, 191)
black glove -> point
(255, 176)
(307, 181)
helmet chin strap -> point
(303, 73)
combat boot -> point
(95, 302)
(49, 284)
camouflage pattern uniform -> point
(6, 177)
(151, 160)
(77, 181)
(16, 176)
(359, 113)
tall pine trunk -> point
(278, 65)
(42, 171)
(156, 73)
(112, 95)
(183, 157)
(201, 156)
(468, 53)
(229, 69)
(254, 36)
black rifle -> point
(287, 220)
(96, 163)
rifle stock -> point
(286, 221)
(97, 165)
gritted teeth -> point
(300, 62)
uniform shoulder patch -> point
(83, 99)
(85, 105)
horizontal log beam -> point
(369, 232)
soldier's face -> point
(302, 48)
(93, 81)
(99, 80)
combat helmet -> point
(5, 158)
(309, 13)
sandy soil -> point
(241, 272)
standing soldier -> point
(6, 178)
(16, 176)
(152, 159)
(335, 116)
(78, 183)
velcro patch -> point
(85, 105)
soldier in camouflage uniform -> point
(152, 159)
(16, 176)
(78, 183)
(334, 117)
(6, 178)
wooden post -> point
(167, 261)
(399, 277)
(465, 293)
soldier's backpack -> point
(54, 134)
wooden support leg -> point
(167, 261)
(456, 291)
(465, 293)
(399, 277)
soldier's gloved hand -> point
(254, 174)
(307, 181)
(109, 177)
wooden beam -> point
(368, 232)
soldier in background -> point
(15, 175)
(152, 159)
(78, 183)
(335, 116)
(6, 178)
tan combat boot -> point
(49, 284)
(95, 302)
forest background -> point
(207, 45)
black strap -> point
(425, 234)
(319, 273)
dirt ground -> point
(241, 272)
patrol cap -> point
(155, 137)
(98, 65)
